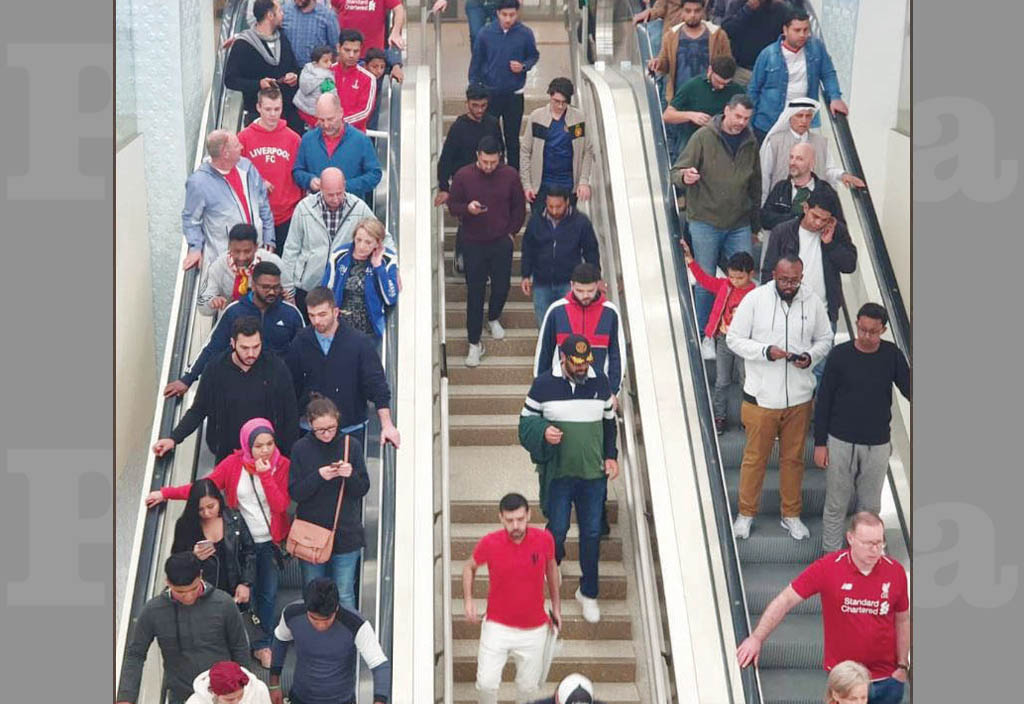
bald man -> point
(786, 198)
(211, 210)
(333, 143)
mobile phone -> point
(483, 208)
(205, 543)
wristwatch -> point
(905, 668)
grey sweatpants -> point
(851, 469)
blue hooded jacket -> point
(212, 209)
(494, 48)
(381, 282)
(770, 79)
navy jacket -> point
(493, 50)
(280, 323)
(350, 374)
(551, 253)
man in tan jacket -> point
(693, 39)
(556, 149)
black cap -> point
(577, 349)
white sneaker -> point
(707, 348)
(475, 353)
(591, 611)
(741, 526)
(497, 332)
(797, 529)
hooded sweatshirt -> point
(598, 322)
(252, 58)
(191, 639)
(314, 81)
(254, 691)
(212, 208)
(357, 90)
(273, 152)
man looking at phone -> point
(519, 558)
(488, 199)
(780, 329)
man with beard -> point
(519, 558)
(570, 410)
(280, 321)
(308, 24)
(781, 330)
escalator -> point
(192, 460)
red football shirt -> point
(515, 596)
(235, 180)
(368, 16)
(858, 611)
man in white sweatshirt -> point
(781, 330)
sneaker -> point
(591, 611)
(797, 529)
(497, 332)
(719, 425)
(707, 348)
(460, 267)
(475, 353)
(741, 526)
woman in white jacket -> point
(227, 682)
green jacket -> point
(728, 194)
(542, 454)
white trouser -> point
(497, 642)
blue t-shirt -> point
(557, 155)
(692, 57)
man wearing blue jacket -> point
(333, 143)
(504, 51)
(792, 67)
(280, 322)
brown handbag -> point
(310, 542)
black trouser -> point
(281, 236)
(508, 107)
(300, 303)
(482, 261)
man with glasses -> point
(852, 418)
(341, 363)
(280, 321)
(865, 609)
(556, 149)
(781, 330)
(196, 626)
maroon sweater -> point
(502, 193)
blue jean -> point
(479, 13)
(544, 295)
(264, 592)
(342, 568)
(588, 497)
(887, 691)
(654, 31)
(709, 244)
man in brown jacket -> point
(692, 40)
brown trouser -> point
(763, 426)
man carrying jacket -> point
(781, 330)
(245, 382)
(280, 320)
(555, 242)
(221, 193)
(503, 53)
(341, 363)
(196, 626)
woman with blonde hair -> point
(848, 683)
(363, 274)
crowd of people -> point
(299, 274)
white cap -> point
(570, 684)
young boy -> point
(316, 79)
(376, 62)
(728, 294)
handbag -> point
(310, 542)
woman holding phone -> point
(254, 480)
(319, 473)
(363, 274)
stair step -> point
(455, 291)
(615, 624)
(795, 643)
(518, 342)
(763, 582)
(609, 692)
(612, 580)
(791, 686)
(483, 511)
(465, 536)
(516, 314)
(484, 430)
(457, 106)
(733, 441)
(492, 370)
(813, 489)
(769, 542)
(601, 661)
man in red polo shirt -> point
(518, 559)
(864, 605)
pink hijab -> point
(248, 434)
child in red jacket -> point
(728, 294)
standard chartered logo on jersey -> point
(872, 607)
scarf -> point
(247, 435)
(792, 108)
(256, 41)
(243, 279)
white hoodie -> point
(254, 692)
(763, 319)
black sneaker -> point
(720, 425)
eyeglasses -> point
(325, 431)
(873, 544)
(270, 287)
(869, 333)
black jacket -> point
(245, 67)
(350, 374)
(750, 31)
(839, 255)
(550, 254)
(460, 145)
(778, 206)
(317, 498)
(221, 385)
(239, 548)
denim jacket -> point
(771, 77)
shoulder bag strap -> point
(257, 493)
(341, 492)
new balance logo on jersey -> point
(847, 587)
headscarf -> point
(226, 677)
(247, 436)
(792, 108)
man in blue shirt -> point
(308, 24)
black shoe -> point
(606, 529)
(720, 425)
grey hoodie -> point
(191, 639)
